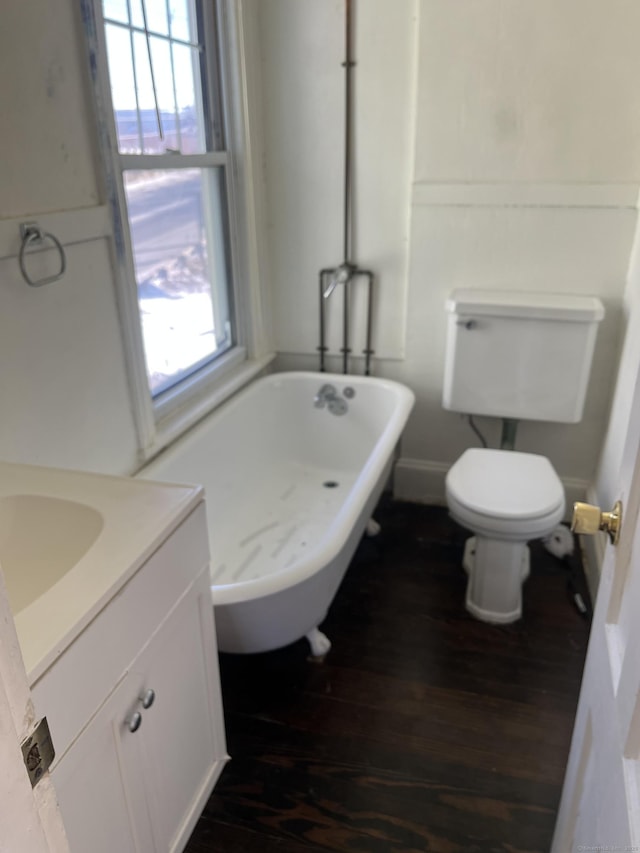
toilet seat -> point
(500, 528)
(505, 493)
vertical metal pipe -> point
(345, 326)
(348, 64)
(508, 436)
(322, 348)
(347, 266)
(368, 351)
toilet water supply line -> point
(347, 271)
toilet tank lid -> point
(533, 306)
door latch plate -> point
(38, 752)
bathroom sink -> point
(41, 539)
(70, 541)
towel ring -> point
(32, 234)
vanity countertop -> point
(113, 525)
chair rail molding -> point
(463, 194)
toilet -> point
(513, 356)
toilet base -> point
(496, 570)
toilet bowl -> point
(505, 498)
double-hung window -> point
(168, 129)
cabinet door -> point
(102, 811)
(143, 790)
(182, 733)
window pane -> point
(182, 20)
(116, 10)
(157, 16)
(181, 269)
(190, 114)
(123, 90)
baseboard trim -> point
(422, 481)
(419, 481)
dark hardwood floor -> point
(422, 730)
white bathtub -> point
(289, 490)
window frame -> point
(160, 419)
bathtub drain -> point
(330, 484)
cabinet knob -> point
(135, 721)
(148, 698)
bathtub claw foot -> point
(373, 528)
(320, 644)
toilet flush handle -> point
(589, 519)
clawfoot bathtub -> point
(291, 478)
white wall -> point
(63, 386)
(605, 489)
(303, 110)
(525, 127)
(530, 91)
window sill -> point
(177, 421)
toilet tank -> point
(519, 355)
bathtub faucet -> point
(341, 275)
(328, 396)
(324, 396)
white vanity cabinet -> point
(143, 742)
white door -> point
(600, 806)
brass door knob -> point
(589, 519)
